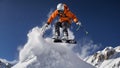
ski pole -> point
(86, 32)
(43, 29)
(78, 28)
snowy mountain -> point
(41, 52)
(5, 64)
(107, 58)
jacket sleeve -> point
(52, 16)
(75, 19)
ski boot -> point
(56, 36)
(56, 39)
(65, 36)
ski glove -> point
(46, 25)
(78, 23)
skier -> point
(64, 22)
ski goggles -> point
(60, 11)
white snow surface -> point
(41, 52)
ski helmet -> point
(60, 7)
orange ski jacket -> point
(67, 16)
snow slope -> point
(107, 58)
(41, 52)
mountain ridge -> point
(5, 64)
(107, 58)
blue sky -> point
(101, 18)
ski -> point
(70, 41)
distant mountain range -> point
(107, 58)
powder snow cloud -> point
(41, 52)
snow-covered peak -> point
(108, 49)
(107, 58)
(41, 52)
(5, 64)
(117, 48)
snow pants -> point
(64, 26)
